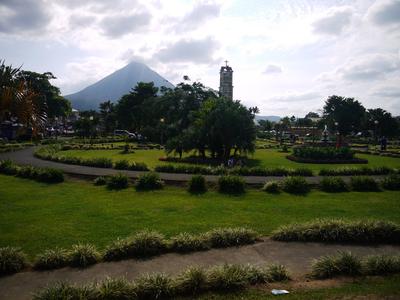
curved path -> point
(297, 257)
(26, 157)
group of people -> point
(233, 163)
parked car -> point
(120, 132)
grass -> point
(270, 158)
(37, 216)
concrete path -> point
(297, 257)
(26, 157)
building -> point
(225, 81)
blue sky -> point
(287, 56)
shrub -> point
(191, 282)
(296, 185)
(228, 237)
(121, 164)
(333, 185)
(115, 289)
(52, 259)
(142, 244)
(227, 277)
(344, 263)
(302, 172)
(233, 185)
(347, 171)
(381, 265)
(323, 153)
(156, 286)
(392, 182)
(256, 275)
(185, 242)
(339, 231)
(49, 175)
(27, 172)
(197, 184)
(364, 184)
(83, 255)
(8, 167)
(277, 273)
(100, 181)
(100, 162)
(63, 291)
(12, 260)
(149, 181)
(117, 182)
(137, 166)
(272, 187)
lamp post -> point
(162, 126)
(337, 135)
(376, 122)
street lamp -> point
(162, 120)
(337, 135)
(376, 122)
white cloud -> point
(385, 13)
(334, 22)
(119, 25)
(272, 69)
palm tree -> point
(18, 100)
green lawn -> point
(361, 288)
(262, 157)
(37, 216)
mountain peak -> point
(115, 85)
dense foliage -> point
(323, 153)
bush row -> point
(340, 231)
(143, 244)
(47, 175)
(323, 153)
(347, 264)
(147, 181)
(351, 171)
(242, 171)
(191, 282)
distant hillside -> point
(269, 118)
(113, 86)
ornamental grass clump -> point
(277, 273)
(8, 167)
(63, 291)
(115, 289)
(117, 182)
(381, 265)
(272, 187)
(143, 244)
(138, 166)
(340, 231)
(343, 264)
(197, 185)
(227, 277)
(296, 185)
(83, 255)
(191, 282)
(49, 175)
(101, 180)
(149, 181)
(364, 184)
(155, 286)
(233, 185)
(12, 260)
(52, 259)
(333, 185)
(392, 182)
(228, 237)
(186, 242)
(121, 164)
(27, 172)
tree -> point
(86, 126)
(311, 115)
(381, 122)
(108, 116)
(57, 106)
(265, 125)
(19, 101)
(343, 114)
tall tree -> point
(343, 114)
(382, 122)
(108, 116)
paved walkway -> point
(26, 157)
(297, 257)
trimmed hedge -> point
(323, 153)
(193, 281)
(340, 231)
(233, 185)
(351, 171)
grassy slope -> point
(266, 158)
(369, 288)
(37, 216)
